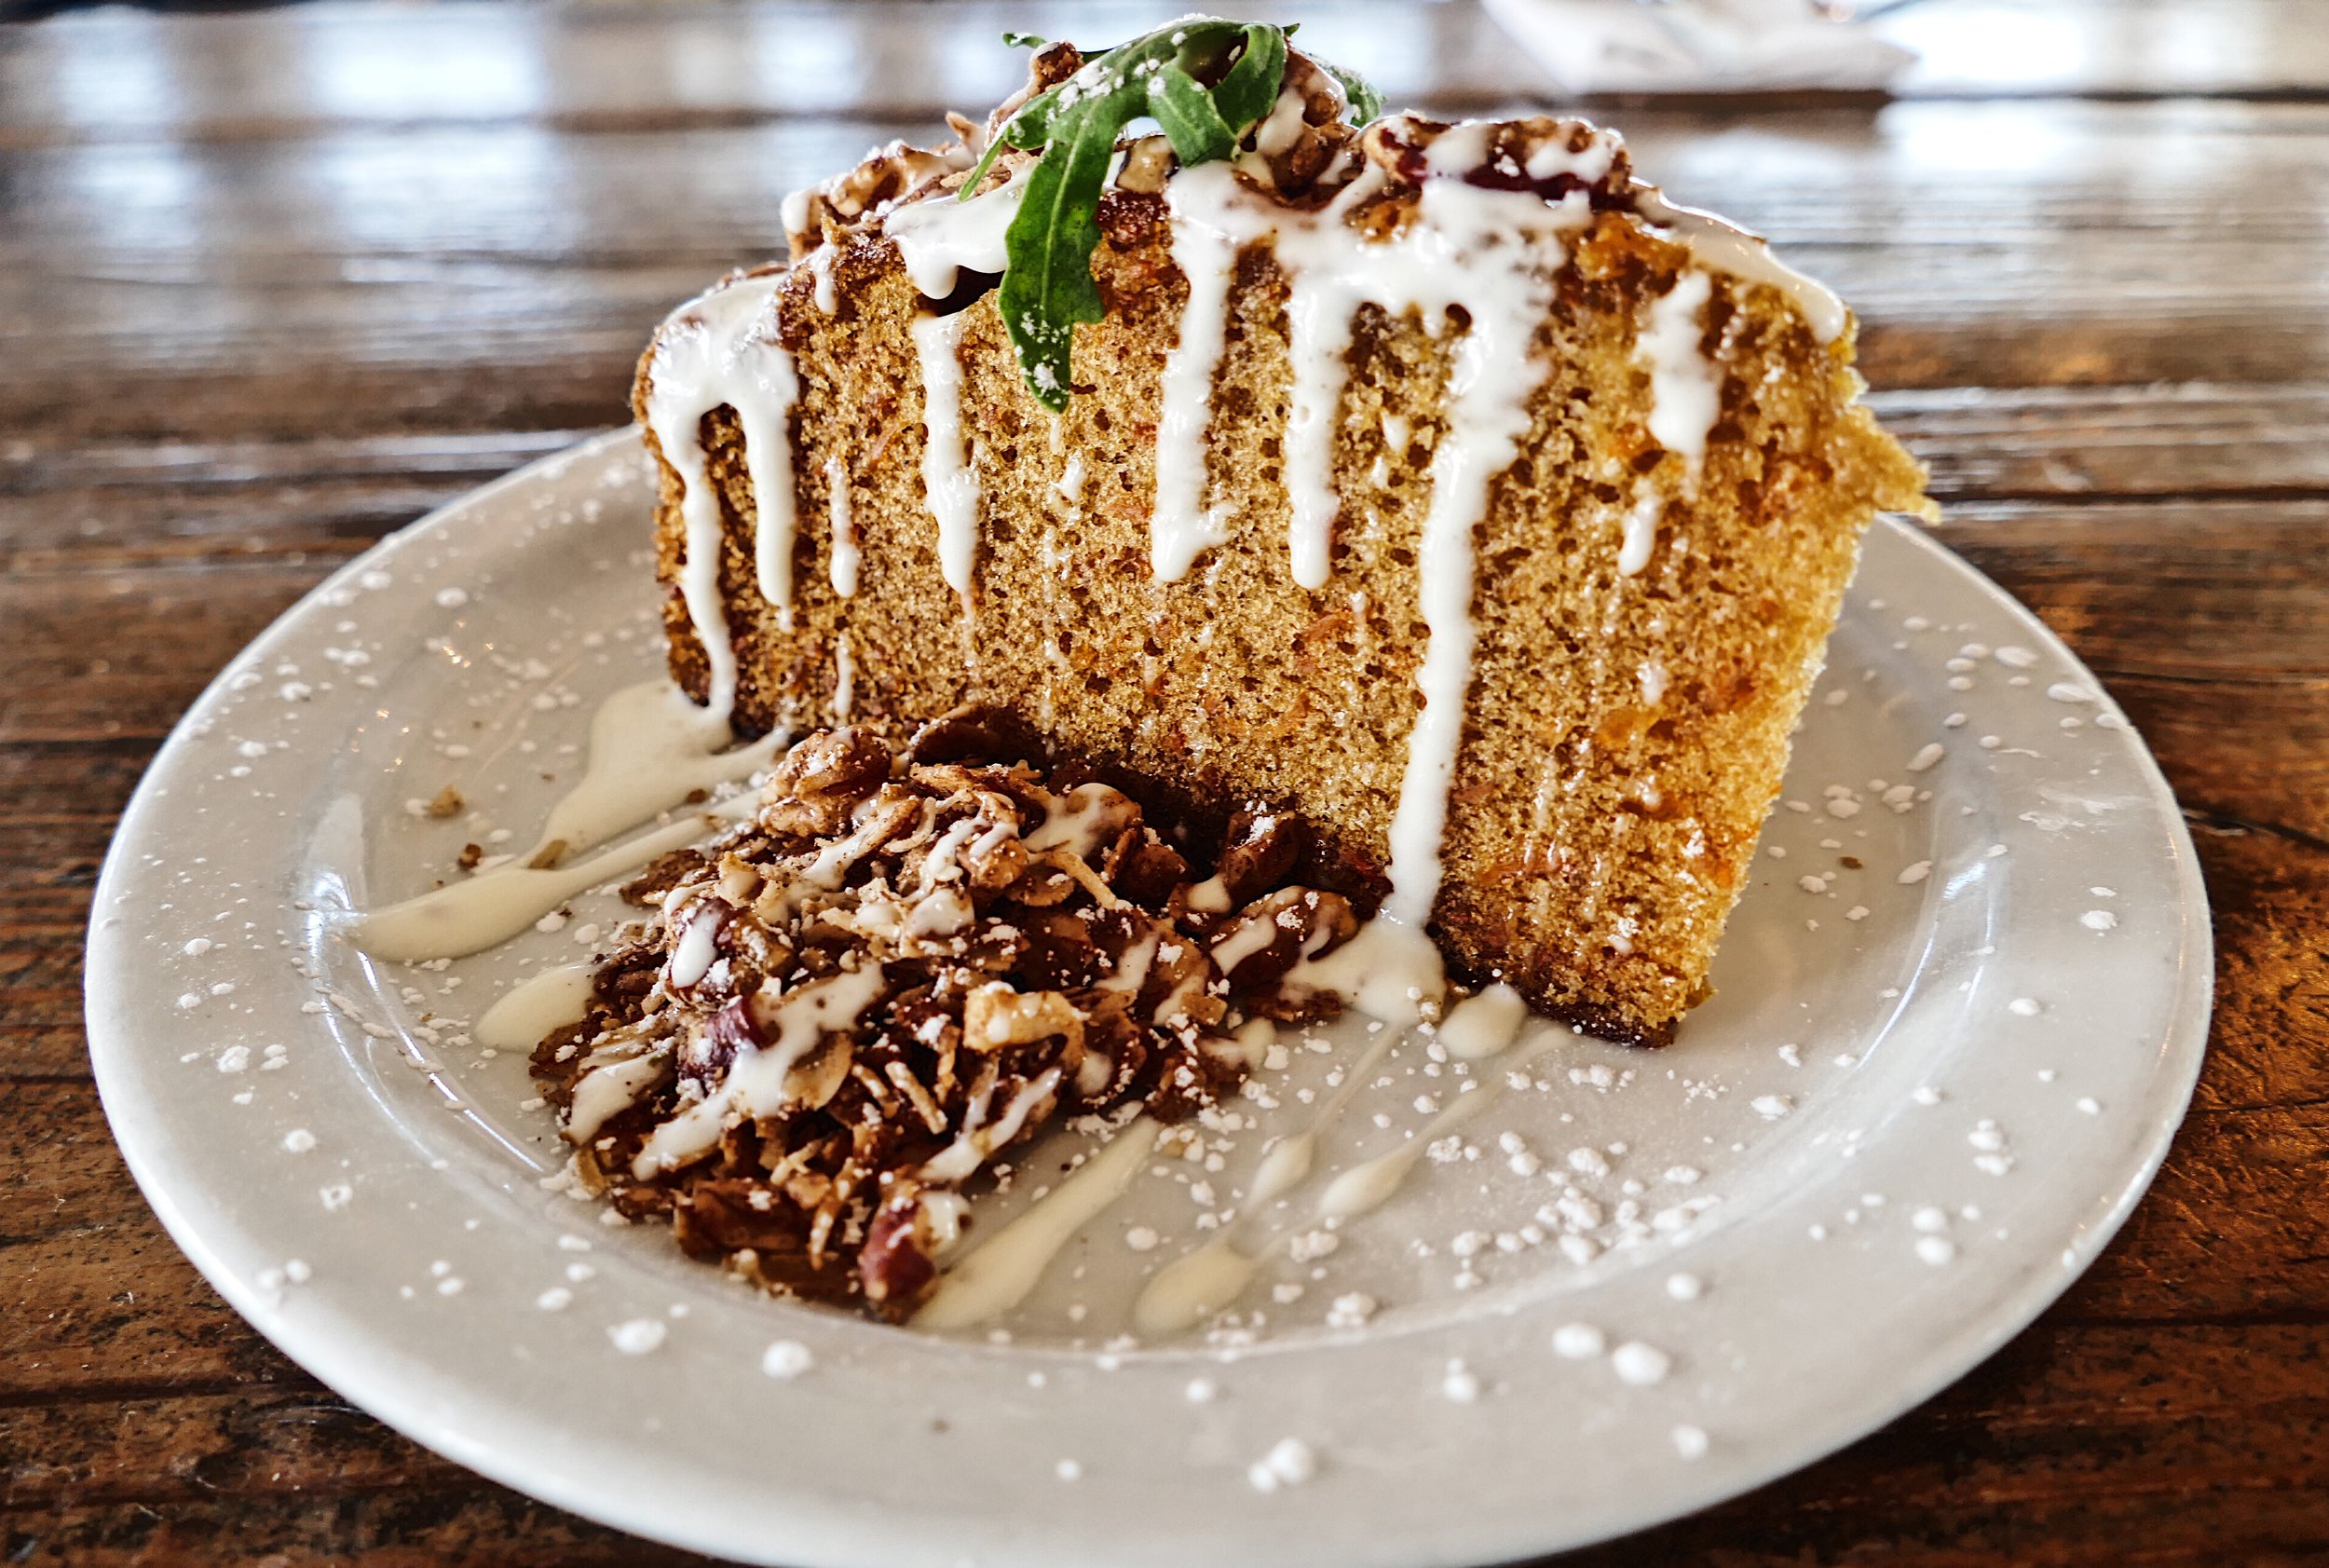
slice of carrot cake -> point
(1441, 483)
(1253, 569)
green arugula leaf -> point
(1365, 102)
(1030, 127)
(1250, 90)
(1047, 284)
(1021, 41)
(1197, 129)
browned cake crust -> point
(1626, 734)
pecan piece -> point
(963, 735)
(995, 1016)
(1148, 870)
(996, 857)
(726, 1214)
(896, 1265)
(1060, 953)
(820, 778)
(1260, 850)
(1292, 155)
(1178, 990)
(663, 874)
(1256, 948)
(706, 1055)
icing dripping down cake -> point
(1442, 484)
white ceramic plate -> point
(1928, 1090)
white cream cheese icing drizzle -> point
(997, 1276)
(1213, 1276)
(949, 482)
(1468, 246)
(1195, 1285)
(530, 1009)
(846, 557)
(1484, 1023)
(825, 290)
(1390, 971)
(1685, 389)
(844, 678)
(1213, 216)
(1181, 528)
(1492, 253)
(697, 950)
(979, 1138)
(793, 1023)
(1488, 388)
(722, 348)
(1743, 255)
(609, 1088)
(650, 749)
(1639, 540)
(1283, 125)
(1371, 1184)
(1685, 398)
(939, 238)
(464, 918)
(765, 411)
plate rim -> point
(827, 1535)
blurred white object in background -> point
(1699, 45)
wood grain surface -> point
(274, 283)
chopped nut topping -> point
(828, 213)
(1548, 158)
(904, 962)
(1306, 142)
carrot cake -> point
(1442, 484)
(1439, 491)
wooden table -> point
(272, 284)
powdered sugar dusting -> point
(1590, 1161)
(638, 1336)
(1291, 1461)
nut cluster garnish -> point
(905, 963)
